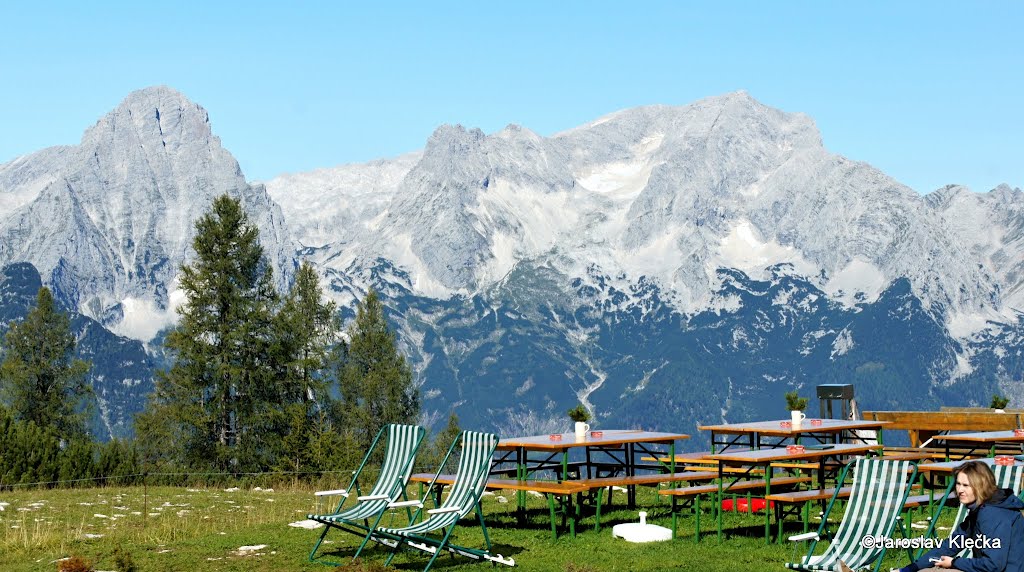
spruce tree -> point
(438, 448)
(214, 402)
(307, 336)
(307, 343)
(376, 382)
(41, 380)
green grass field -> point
(178, 529)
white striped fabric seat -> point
(470, 480)
(880, 488)
(402, 444)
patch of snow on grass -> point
(249, 550)
(308, 524)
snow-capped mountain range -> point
(609, 263)
(670, 193)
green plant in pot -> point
(580, 416)
(999, 402)
(796, 405)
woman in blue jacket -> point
(993, 528)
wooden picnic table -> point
(755, 458)
(980, 441)
(773, 434)
(615, 449)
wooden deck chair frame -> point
(1007, 477)
(880, 490)
(464, 497)
(401, 442)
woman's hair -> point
(980, 476)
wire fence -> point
(144, 477)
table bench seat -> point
(648, 479)
(695, 492)
(738, 486)
(917, 501)
(562, 491)
(800, 497)
(552, 487)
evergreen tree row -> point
(263, 382)
(260, 382)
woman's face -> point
(964, 490)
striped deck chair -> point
(463, 498)
(880, 488)
(401, 442)
(1007, 477)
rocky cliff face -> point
(122, 373)
(665, 265)
(611, 262)
(109, 222)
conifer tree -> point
(376, 382)
(41, 380)
(308, 333)
(308, 339)
(439, 447)
(215, 400)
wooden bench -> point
(695, 492)
(923, 425)
(793, 502)
(554, 491)
(699, 464)
(646, 479)
(911, 454)
(919, 500)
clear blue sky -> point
(929, 92)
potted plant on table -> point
(796, 405)
(580, 416)
(999, 403)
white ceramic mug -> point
(582, 429)
(798, 417)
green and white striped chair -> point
(880, 488)
(1007, 477)
(401, 442)
(463, 498)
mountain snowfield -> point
(109, 222)
(649, 263)
(667, 193)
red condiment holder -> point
(1018, 432)
(786, 424)
(795, 449)
(597, 434)
(815, 422)
(555, 436)
(1004, 460)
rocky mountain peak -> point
(113, 220)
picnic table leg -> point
(767, 513)
(718, 501)
(696, 528)
(631, 490)
(521, 475)
(551, 508)
(673, 517)
(672, 462)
